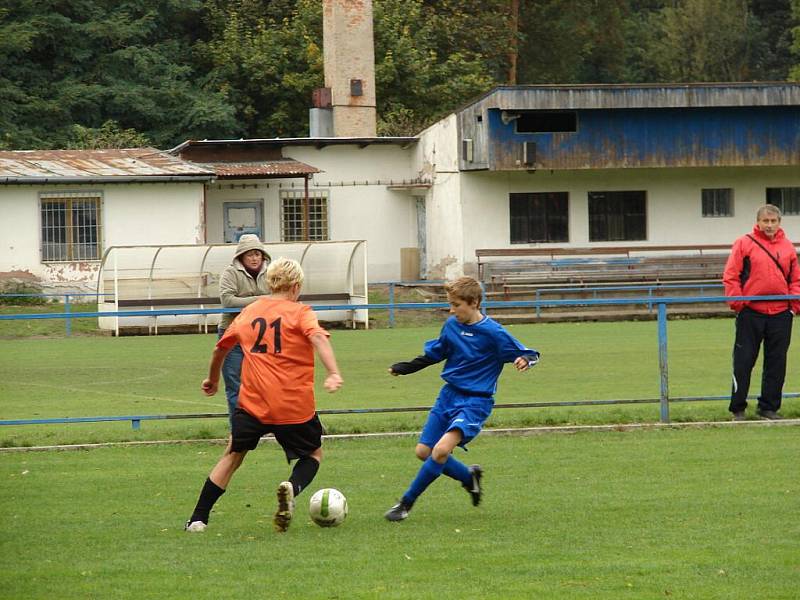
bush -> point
(14, 286)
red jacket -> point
(764, 277)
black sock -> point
(208, 496)
(303, 473)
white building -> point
(521, 167)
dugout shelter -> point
(186, 277)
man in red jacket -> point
(762, 263)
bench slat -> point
(197, 301)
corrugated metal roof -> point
(96, 165)
(260, 168)
(654, 95)
(280, 142)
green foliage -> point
(99, 73)
(267, 63)
(429, 61)
(705, 40)
(98, 60)
(109, 135)
(19, 287)
(795, 44)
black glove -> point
(412, 366)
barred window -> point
(617, 216)
(539, 217)
(304, 220)
(717, 202)
(71, 226)
(787, 199)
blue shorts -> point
(454, 409)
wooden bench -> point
(581, 266)
(209, 302)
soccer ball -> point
(328, 507)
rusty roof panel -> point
(129, 163)
(260, 169)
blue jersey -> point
(475, 354)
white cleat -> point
(283, 516)
(195, 527)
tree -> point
(794, 73)
(267, 58)
(110, 135)
(90, 61)
(705, 40)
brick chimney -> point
(349, 67)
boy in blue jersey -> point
(475, 348)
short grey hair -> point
(769, 208)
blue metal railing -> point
(67, 305)
(661, 302)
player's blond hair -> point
(466, 289)
(283, 273)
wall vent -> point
(467, 150)
(529, 153)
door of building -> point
(240, 218)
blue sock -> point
(428, 473)
(457, 470)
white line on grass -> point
(119, 395)
(389, 434)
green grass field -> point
(53, 377)
(708, 513)
(680, 513)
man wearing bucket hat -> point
(240, 284)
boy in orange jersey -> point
(279, 336)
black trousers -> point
(753, 328)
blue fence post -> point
(391, 304)
(67, 309)
(662, 361)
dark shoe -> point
(769, 415)
(474, 490)
(739, 416)
(398, 512)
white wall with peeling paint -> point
(364, 202)
(132, 214)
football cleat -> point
(474, 489)
(398, 512)
(283, 516)
(195, 526)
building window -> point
(546, 122)
(71, 227)
(617, 216)
(539, 217)
(304, 219)
(787, 199)
(717, 202)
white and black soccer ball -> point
(328, 507)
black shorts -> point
(297, 440)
